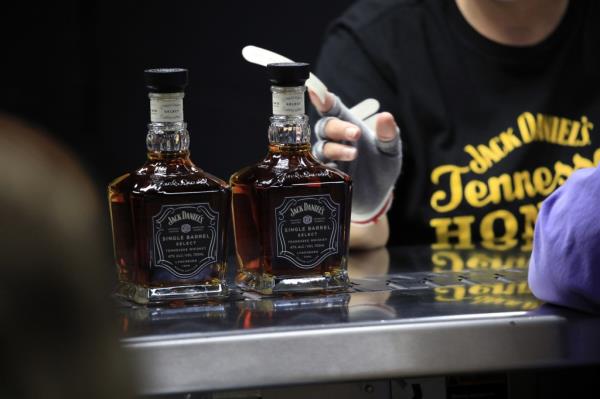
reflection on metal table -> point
(411, 312)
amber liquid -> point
(135, 198)
(286, 171)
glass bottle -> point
(169, 217)
(291, 213)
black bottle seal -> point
(166, 80)
(288, 74)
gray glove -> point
(375, 169)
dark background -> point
(75, 69)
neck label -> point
(166, 109)
(288, 104)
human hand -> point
(372, 156)
(333, 131)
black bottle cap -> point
(166, 80)
(288, 74)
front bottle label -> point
(185, 238)
(307, 229)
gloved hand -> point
(372, 156)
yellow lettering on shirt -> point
(458, 187)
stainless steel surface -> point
(412, 312)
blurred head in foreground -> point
(56, 337)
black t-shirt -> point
(489, 130)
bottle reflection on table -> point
(369, 264)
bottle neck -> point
(167, 132)
(289, 124)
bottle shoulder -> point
(121, 183)
(155, 178)
(269, 174)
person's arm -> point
(370, 236)
(372, 157)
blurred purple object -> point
(565, 264)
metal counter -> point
(411, 312)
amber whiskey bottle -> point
(291, 213)
(169, 217)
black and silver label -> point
(307, 229)
(185, 238)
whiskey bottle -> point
(169, 217)
(291, 213)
